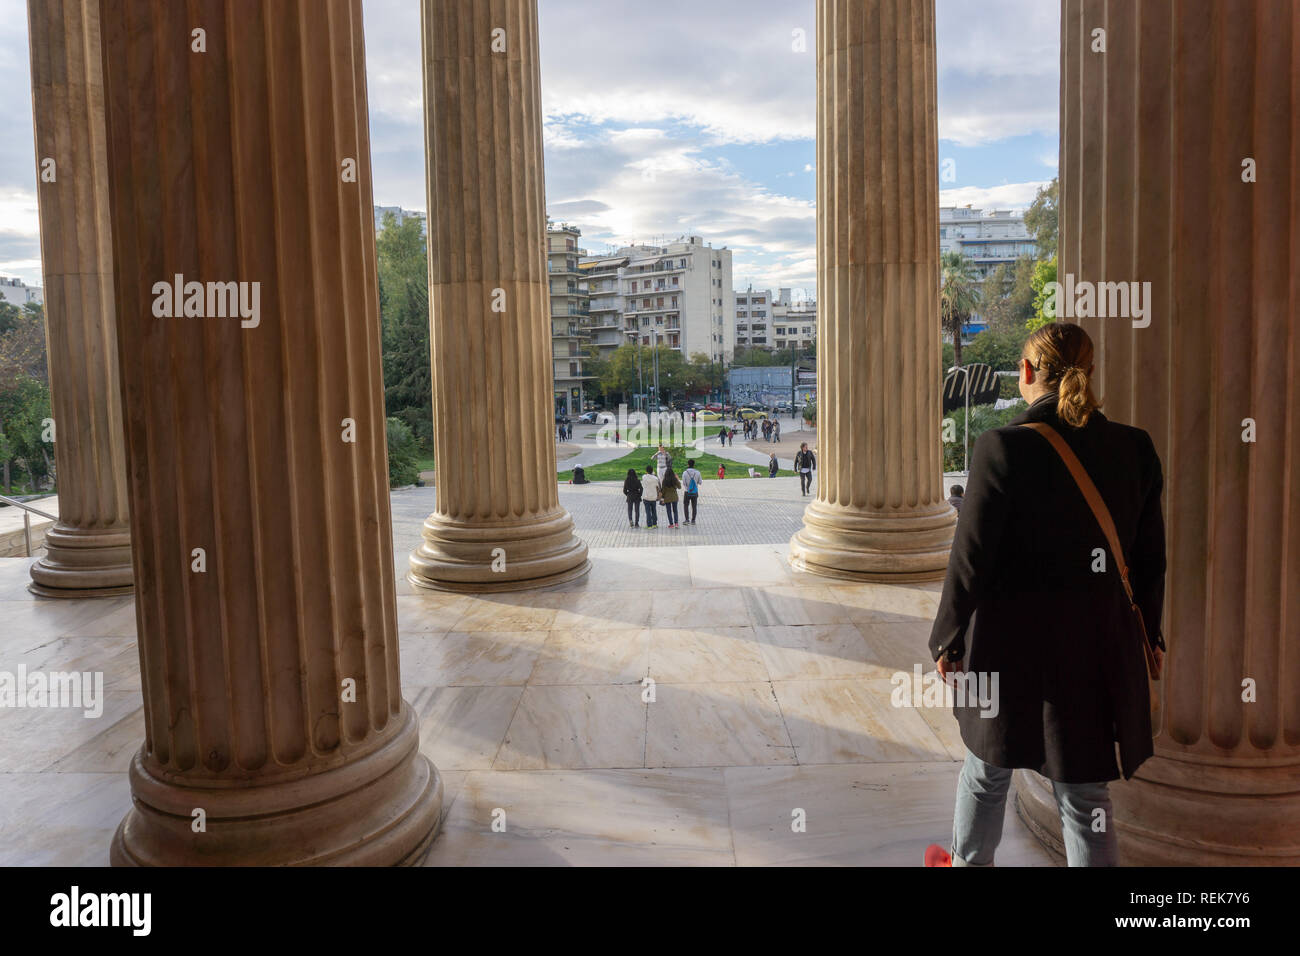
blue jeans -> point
(671, 508)
(651, 517)
(981, 805)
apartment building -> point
(988, 238)
(768, 321)
(678, 294)
(570, 334)
(19, 293)
(401, 215)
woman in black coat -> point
(632, 492)
(1033, 599)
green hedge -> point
(982, 418)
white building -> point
(988, 238)
(17, 292)
(678, 294)
(768, 321)
(401, 215)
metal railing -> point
(28, 511)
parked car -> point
(749, 414)
(708, 416)
(595, 418)
(714, 406)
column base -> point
(482, 557)
(856, 545)
(381, 809)
(1188, 813)
(80, 564)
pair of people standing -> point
(655, 491)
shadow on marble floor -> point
(771, 702)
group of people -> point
(727, 435)
(563, 431)
(770, 428)
(660, 485)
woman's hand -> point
(947, 668)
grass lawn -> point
(616, 470)
(424, 464)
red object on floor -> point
(936, 855)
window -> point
(645, 303)
(681, 264)
(573, 370)
(659, 302)
(674, 301)
(674, 281)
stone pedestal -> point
(497, 524)
(1155, 187)
(88, 551)
(879, 512)
(276, 732)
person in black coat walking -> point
(1033, 600)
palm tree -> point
(959, 296)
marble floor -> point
(701, 705)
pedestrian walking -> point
(772, 466)
(722, 471)
(805, 463)
(691, 481)
(1071, 644)
(632, 492)
(722, 435)
(776, 429)
(649, 496)
(668, 488)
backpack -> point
(692, 488)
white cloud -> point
(1005, 196)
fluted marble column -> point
(879, 511)
(266, 610)
(497, 523)
(88, 551)
(1154, 134)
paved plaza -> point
(771, 703)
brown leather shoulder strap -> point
(1090, 494)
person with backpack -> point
(668, 488)
(632, 492)
(650, 495)
(691, 480)
(805, 463)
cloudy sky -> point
(668, 118)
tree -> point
(1044, 273)
(959, 296)
(22, 343)
(24, 409)
(404, 311)
(997, 348)
(402, 467)
(1042, 221)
